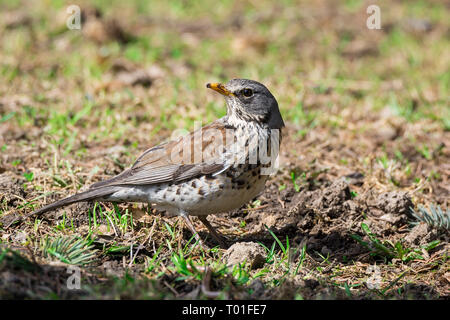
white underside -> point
(213, 200)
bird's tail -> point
(91, 194)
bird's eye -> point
(247, 92)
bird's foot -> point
(218, 237)
(194, 232)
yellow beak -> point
(220, 88)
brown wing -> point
(199, 153)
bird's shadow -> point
(333, 245)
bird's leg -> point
(219, 238)
(192, 228)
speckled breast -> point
(211, 194)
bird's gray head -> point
(250, 100)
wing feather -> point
(165, 162)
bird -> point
(214, 169)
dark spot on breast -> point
(194, 184)
(201, 192)
(182, 199)
(178, 191)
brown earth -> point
(323, 215)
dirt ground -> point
(335, 222)
(322, 216)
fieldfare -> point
(215, 169)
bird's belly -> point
(203, 196)
(223, 197)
